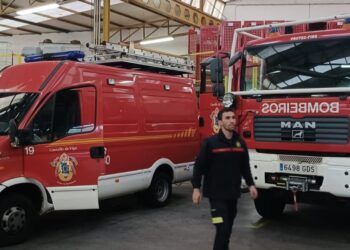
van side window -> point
(66, 113)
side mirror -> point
(235, 58)
(13, 134)
(18, 137)
(218, 90)
(216, 71)
(217, 77)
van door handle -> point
(97, 152)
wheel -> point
(268, 204)
(17, 216)
(158, 194)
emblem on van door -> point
(65, 168)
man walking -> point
(222, 160)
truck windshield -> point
(13, 106)
(297, 65)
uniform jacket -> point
(223, 163)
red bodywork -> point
(140, 118)
(246, 108)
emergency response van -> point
(290, 94)
(74, 133)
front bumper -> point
(333, 173)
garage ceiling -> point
(77, 15)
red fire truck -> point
(290, 94)
(74, 133)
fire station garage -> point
(162, 124)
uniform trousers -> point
(223, 213)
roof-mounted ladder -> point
(117, 55)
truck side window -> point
(66, 113)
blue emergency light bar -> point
(273, 30)
(74, 55)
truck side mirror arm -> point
(235, 58)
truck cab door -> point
(66, 151)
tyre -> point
(17, 217)
(159, 193)
(268, 204)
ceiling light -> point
(37, 9)
(345, 66)
(157, 40)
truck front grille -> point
(300, 159)
(331, 130)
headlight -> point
(228, 100)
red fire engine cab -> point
(290, 94)
(74, 133)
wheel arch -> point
(30, 188)
(161, 165)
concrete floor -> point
(125, 224)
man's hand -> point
(253, 192)
(196, 196)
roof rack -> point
(118, 55)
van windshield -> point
(298, 65)
(13, 106)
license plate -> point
(297, 169)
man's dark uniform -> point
(223, 163)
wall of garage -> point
(284, 10)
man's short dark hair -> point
(224, 110)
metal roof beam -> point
(177, 11)
(61, 19)
(48, 26)
(131, 34)
(114, 33)
(5, 34)
(144, 26)
(156, 29)
(90, 16)
(35, 24)
(4, 7)
(22, 29)
(123, 14)
(172, 32)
